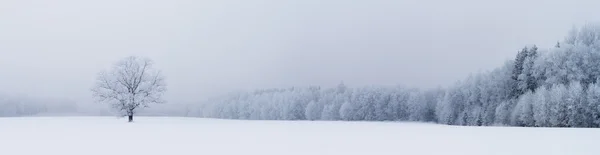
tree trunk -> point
(130, 118)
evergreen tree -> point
(517, 73)
(528, 69)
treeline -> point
(554, 87)
(12, 106)
(21, 105)
(314, 103)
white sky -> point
(205, 48)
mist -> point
(56, 48)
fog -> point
(206, 48)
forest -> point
(541, 87)
(552, 87)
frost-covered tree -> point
(541, 108)
(431, 98)
(331, 110)
(397, 108)
(417, 105)
(586, 35)
(558, 106)
(313, 110)
(132, 83)
(503, 112)
(528, 69)
(449, 107)
(348, 111)
(592, 110)
(517, 73)
(523, 113)
(575, 102)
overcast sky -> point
(205, 48)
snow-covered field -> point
(195, 136)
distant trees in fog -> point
(14, 106)
(314, 103)
(11, 106)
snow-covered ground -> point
(195, 136)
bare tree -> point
(132, 83)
